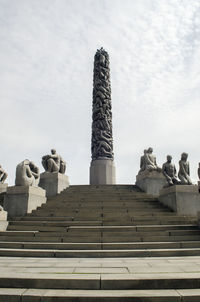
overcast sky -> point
(47, 50)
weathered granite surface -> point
(184, 199)
(102, 172)
(53, 183)
(3, 220)
(3, 187)
(151, 182)
(20, 200)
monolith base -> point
(20, 200)
(53, 183)
(151, 182)
(102, 172)
(182, 199)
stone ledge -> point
(180, 189)
(182, 199)
(53, 183)
(26, 190)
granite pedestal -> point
(102, 172)
(182, 199)
(151, 182)
(53, 183)
(20, 200)
(3, 220)
(3, 188)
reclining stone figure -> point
(169, 171)
(3, 175)
(184, 170)
(27, 174)
(54, 163)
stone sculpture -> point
(54, 163)
(198, 171)
(102, 141)
(169, 171)
(27, 174)
(184, 170)
(3, 175)
(148, 161)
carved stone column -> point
(102, 169)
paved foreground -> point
(121, 279)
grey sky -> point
(46, 69)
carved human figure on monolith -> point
(54, 163)
(102, 141)
(3, 175)
(27, 174)
(169, 171)
(184, 170)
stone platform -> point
(53, 183)
(102, 172)
(101, 243)
(20, 200)
(3, 220)
(3, 187)
(82, 279)
(151, 182)
(182, 199)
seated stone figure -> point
(3, 175)
(184, 170)
(27, 174)
(169, 171)
(54, 163)
(148, 162)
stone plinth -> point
(3, 220)
(3, 188)
(151, 182)
(20, 200)
(102, 172)
(53, 183)
(182, 199)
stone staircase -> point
(100, 243)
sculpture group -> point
(28, 174)
(148, 163)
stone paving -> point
(121, 266)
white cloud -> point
(46, 63)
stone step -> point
(103, 281)
(93, 231)
(99, 207)
(98, 246)
(65, 295)
(99, 253)
(49, 237)
(147, 228)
